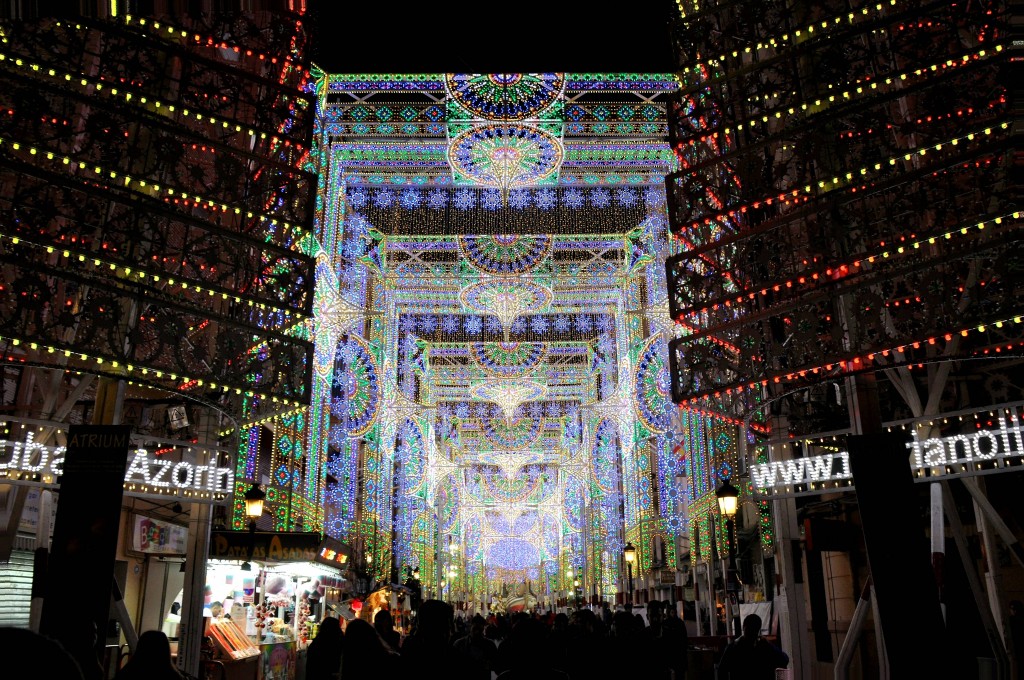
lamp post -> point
(728, 498)
(576, 587)
(629, 554)
(254, 498)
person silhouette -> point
(36, 655)
(151, 660)
(323, 656)
(430, 644)
(750, 656)
(366, 654)
(384, 624)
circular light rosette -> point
(652, 385)
(505, 254)
(355, 388)
(505, 155)
(506, 299)
(507, 359)
(505, 96)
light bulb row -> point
(157, 106)
(127, 271)
(819, 105)
(166, 194)
(825, 186)
(143, 370)
(848, 365)
(813, 278)
(166, 31)
(801, 34)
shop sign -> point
(157, 537)
(333, 553)
(147, 474)
(265, 546)
(954, 455)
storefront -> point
(161, 545)
(265, 593)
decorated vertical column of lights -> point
(846, 201)
(605, 522)
(411, 486)
(333, 315)
(149, 228)
(382, 340)
(653, 466)
(293, 474)
(335, 409)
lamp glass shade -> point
(629, 553)
(728, 496)
(254, 502)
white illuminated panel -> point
(185, 472)
(983, 451)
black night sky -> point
(529, 36)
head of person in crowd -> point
(477, 625)
(623, 624)
(435, 621)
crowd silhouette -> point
(518, 646)
(538, 646)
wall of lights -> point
(504, 322)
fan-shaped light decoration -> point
(506, 299)
(505, 96)
(509, 394)
(652, 384)
(505, 155)
(507, 359)
(505, 254)
(355, 388)
(518, 434)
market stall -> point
(264, 594)
(396, 599)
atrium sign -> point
(980, 452)
(167, 475)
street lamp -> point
(576, 587)
(629, 554)
(728, 498)
(254, 498)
